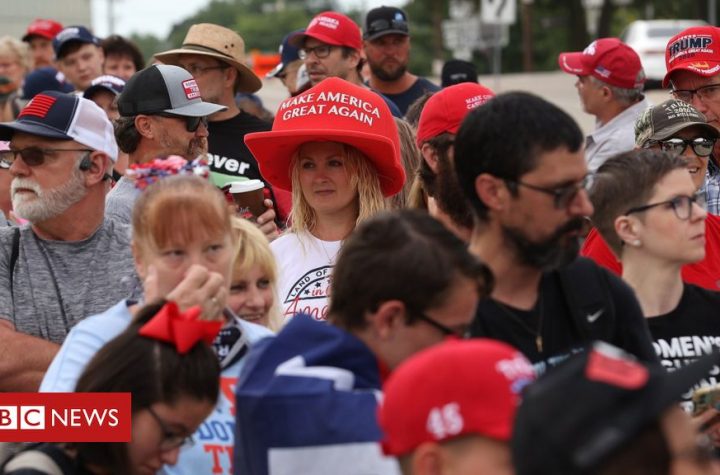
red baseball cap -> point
(446, 109)
(332, 111)
(45, 28)
(332, 28)
(607, 59)
(456, 388)
(696, 49)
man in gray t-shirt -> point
(69, 262)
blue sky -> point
(158, 16)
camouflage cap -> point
(666, 119)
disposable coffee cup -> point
(248, 196)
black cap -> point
(580, 413)
(383, 21)
(163, 88)
(456, 71)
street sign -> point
(471, 33)
(498, 12)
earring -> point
(636, 243)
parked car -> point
(649, 38)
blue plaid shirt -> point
(711, 188)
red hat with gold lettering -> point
(332, 111)
(695, 49)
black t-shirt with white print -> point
(562, 335)
(690, 331)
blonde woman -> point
(336, 148)
(253, 291)
(14, 65)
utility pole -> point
(111, 17)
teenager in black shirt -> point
(519, 160)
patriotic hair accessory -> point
(145, 174)
(183, 329)
(55, 115)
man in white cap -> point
(69, 262)
(215, 56)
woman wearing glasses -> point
(677, 128)
(174, 387)
(648, 210)
(336, 148)
(184, 247)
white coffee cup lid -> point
(245, 186)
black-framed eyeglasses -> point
(196, 70)
(562, 195)
(702, 147)
(321, 51)
(382, 24)
(444, 329)
(682, 205)
(191, 123)
(708, 93)
(32, 156)
(171, 440)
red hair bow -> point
(184, 329)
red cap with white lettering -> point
(332, 111)
(695, 49)
(456, 388)
(332, 28)
(607, 59)
(446, 109)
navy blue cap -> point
(56, 115)
(108, 82)
(288, 54)
(70, 34)
(44, 79)
(457, 71)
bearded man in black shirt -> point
(215, 56)
(520, 161)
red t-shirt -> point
(705, 273)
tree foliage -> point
(550, 26)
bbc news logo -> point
(65, 417)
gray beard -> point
(49, 204)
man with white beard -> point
(68, 262)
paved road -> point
(556, 87)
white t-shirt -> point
(305, 264)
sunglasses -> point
(191, 123)
(702, 147)
(681, 205)
(32, 156)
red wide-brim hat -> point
(332, 111)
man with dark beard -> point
(161, 114)
(386, 42)
(519, 160)
(439, 122)
(69, 262)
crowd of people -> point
(433, 279)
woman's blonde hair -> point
(363, 175)
(253, 249)
(10, 46)
(410, 155)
